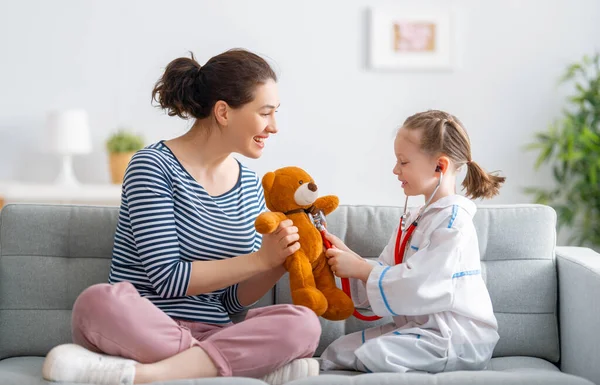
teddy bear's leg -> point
(302, 283)
(340, 306)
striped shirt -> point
(167, 221)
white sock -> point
(297, 369)
(74, 363)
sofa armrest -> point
(579, 311)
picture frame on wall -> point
(409, 39)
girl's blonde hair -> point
(444, 134)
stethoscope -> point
(401, 243)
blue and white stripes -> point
(167, 221)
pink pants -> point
(116, 320)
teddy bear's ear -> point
(268, 180)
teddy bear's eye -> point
(301, 182)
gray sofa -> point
(546, 299)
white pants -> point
(386, 348)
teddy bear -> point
(291, 193)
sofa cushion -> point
(48, 255)
(28, 371)
(517, 251)
(517, 245)
(502, 370)
(519, 363)
(520, 370)
(532, 377)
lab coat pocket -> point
(418, 241)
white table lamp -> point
(69, 134)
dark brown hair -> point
(444, 134)
(189, 90)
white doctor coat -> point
(442, 312)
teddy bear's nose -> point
(312, 187)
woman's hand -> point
(278, 245)
(344, 262)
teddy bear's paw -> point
(266, 223)
(311, 298)
(266, 227)
(340, 305)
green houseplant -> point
(571, 147)
(121, 146)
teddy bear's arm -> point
(268, 222)
(327, 204)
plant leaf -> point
(571, 148)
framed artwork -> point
(408, 39)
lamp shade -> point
(69, 132)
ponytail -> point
(179, 91)
(480, 184)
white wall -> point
(337, 117)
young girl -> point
(443, 317)
(186, 254)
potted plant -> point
(571, 147)
(121, 146)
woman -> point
(186, 254)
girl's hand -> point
(336, 242)
(278, 245)
(344, 262)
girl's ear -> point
(443, 164)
